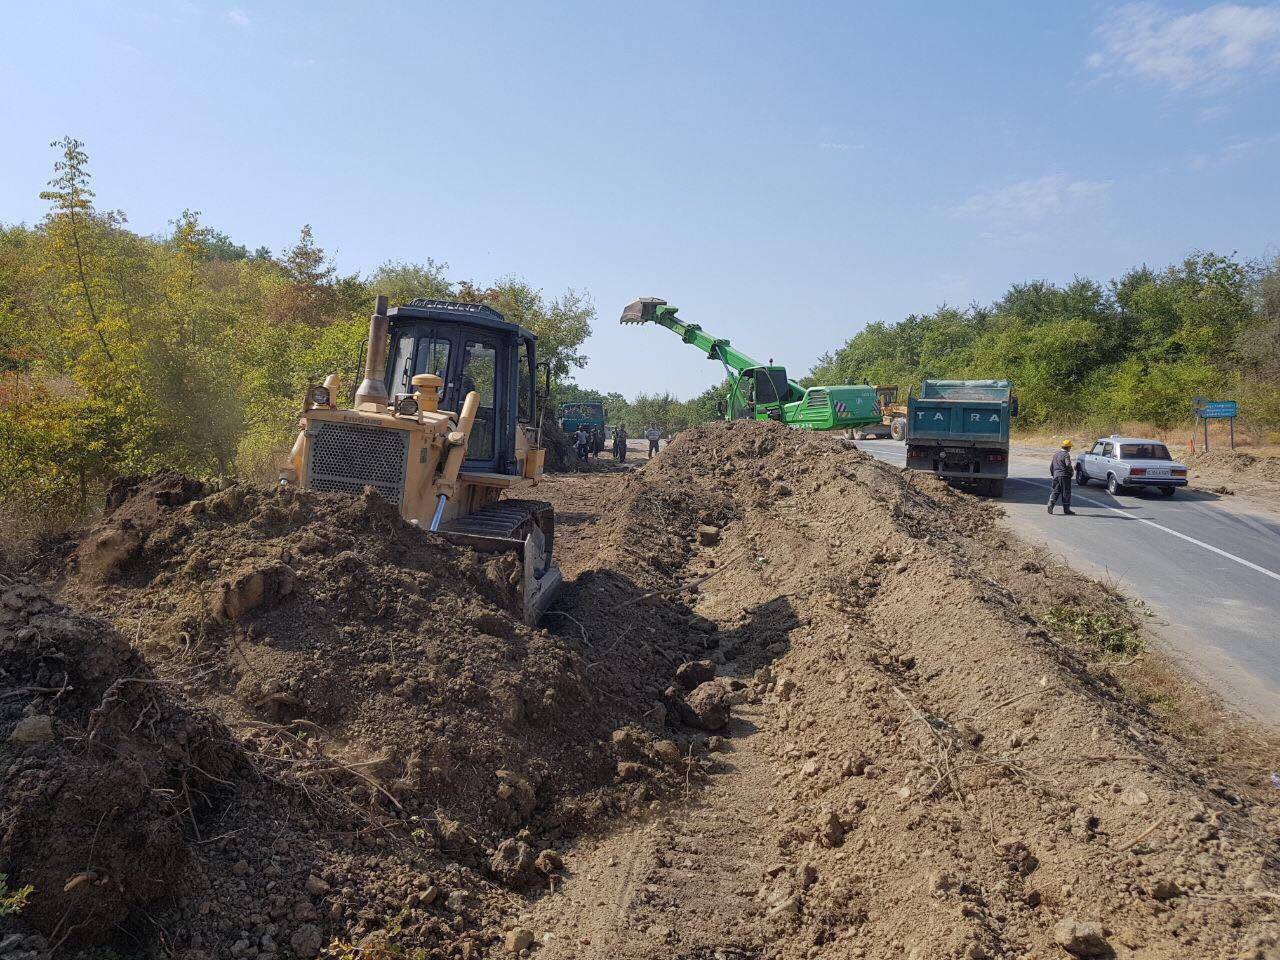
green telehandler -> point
(761, 391)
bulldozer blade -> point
(524, 527)
(541, 581)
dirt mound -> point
(904, 725)
(1236, 471)
(381, 683)
(108, 776)
(932, 741)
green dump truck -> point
(959, 430)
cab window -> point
(402, 364)
(433, 357)
(479, 373)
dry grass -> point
(1257, 441)
(22, 531)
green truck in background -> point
(959, 430)
(762, 391)
(584, 413)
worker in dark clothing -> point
(1060, 470)
(620, 443)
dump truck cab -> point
(444, 425)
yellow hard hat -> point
(1066, 443)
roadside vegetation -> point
(1135, 349)
(1101, 634)
(122, 353)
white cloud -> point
(840, 147)
(1231, 152)
(239, 18)
(1215, 46)
(1031, 201)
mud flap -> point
(542, 578)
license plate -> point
(1158, 472)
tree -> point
(69, 225)
(310, 296)
(402, 282)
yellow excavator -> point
(444, 424)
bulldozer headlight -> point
(407, 406)
(320, 396)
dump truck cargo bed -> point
(959, 430)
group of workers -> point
(584, 445)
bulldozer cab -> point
(471, 348)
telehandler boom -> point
(442, 430)
(761, 391)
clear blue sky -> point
(785, 173)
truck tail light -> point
(1137, 471)
(997, 457)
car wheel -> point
(1082, 478)
(1167, 491)
(1113, 485)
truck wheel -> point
(898, 429)
(1113, 485)
(995, 488)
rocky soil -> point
(791, 703)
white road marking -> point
(1159, 526)
(1181, 536)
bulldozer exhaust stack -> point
(373, 391)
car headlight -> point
(407, 406)
(320, 396)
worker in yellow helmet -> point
(1060, 470)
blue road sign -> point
(1218, 410)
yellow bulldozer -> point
(443, 425)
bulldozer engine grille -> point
(817, 398)
(346, 459)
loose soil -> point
(1237, 472)
(897, 754)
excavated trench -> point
(790, 704)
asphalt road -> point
(1208, 567)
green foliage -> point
(13, 901)
(1137, 350)
(121, 353)
(1102, 635)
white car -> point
(1125, 463)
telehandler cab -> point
(444, 422)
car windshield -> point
(1144, 451)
